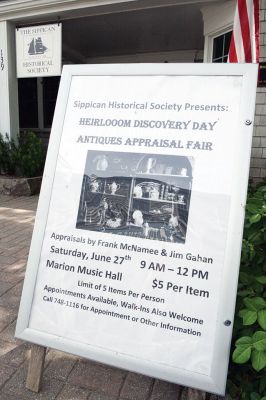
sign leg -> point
(35, 370)
(193, 394)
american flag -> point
(244, 46)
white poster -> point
(136, 247)
(39, 50)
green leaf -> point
(249, 316)
(262, 384)
(258, 360)
(255, 396)
(259, 335)
(244, 340)
(241, 354)
(255, 303)
(253, 208)
(262, 318)
(244, 293)
(259, 340)
(261, 279)
(256, 237)
(249, 304)
(255, 218)
(258, 287)
(245, 278)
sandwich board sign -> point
(136, 246)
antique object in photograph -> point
(139, 195)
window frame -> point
(209, 46)
(215, 37)
(40, 107)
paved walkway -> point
(66, 377)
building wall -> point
(258, 154)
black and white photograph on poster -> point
(139, 195)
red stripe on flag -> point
(244, 46)
(244, 23)
(232, 56)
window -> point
(37, 98)
(50, 89)
(221, 46)
(28, 103)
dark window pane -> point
(28, 105)
(50, 89)
(227, 40)
(221, 46)
(218, 46)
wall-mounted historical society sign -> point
(39, 50)
(136, 246)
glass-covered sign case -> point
(136, 247)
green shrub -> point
(8, 155)
(30, 155)
(247, 373)
(23, 157)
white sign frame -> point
(216, 382)
(45, 58)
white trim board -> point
(51, 9)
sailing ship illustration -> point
(36, 46)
